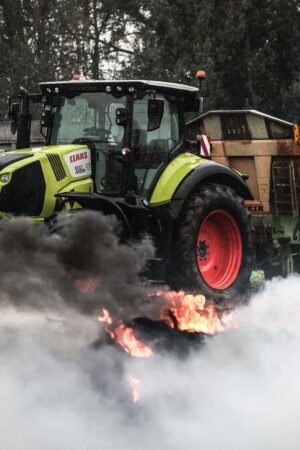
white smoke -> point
(240, 391)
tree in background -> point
(250, 49)
(42, 40)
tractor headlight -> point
(4, 178)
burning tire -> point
(214, 249)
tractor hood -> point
(74, 160)
(30, 178)
(9, 158)
(25, 152)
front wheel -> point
(214, 249)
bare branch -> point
(116, 47)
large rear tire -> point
(214, 248)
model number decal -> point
(79, 163)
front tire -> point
(214, 248)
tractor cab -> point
(132, 128)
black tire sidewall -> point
(210, 198)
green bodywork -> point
(169, 180)
(172, 176)
(68, 183)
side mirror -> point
(13, 115)
(155, 113)
(121, 117)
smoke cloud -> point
(44, 271)
(239, 391)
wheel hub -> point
(202, 250)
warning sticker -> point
(204, 144)
(79, 163)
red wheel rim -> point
(219, 250)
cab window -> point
(152, 148)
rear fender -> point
(206, 174)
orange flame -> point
(125, 337)
(190, 313)
(136, 387)
(106, 318)
(186, 312)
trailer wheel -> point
(214, 248)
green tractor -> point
(119, 147)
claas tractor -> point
(120, 147)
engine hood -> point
(9, 158)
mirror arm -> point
(42, 133)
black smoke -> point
(42, 270)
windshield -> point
(91, 118)
(87, 115)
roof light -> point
(201, 75)
(76, 77)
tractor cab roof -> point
(106, 85)
(188, 95)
